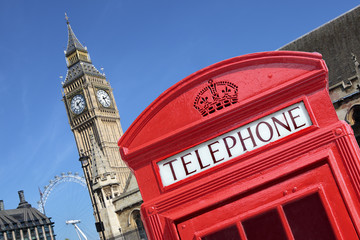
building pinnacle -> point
(67, 19)
(73, 43)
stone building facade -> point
(24, 223)
(339, 43)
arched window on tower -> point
(101, 199)
(136, 219)
(353, 118)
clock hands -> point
(78, 104)
(103, 98)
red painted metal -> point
(194, 180)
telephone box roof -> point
(179, 112)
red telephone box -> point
(247, 148)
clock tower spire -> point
(95, 122)
(73, 42)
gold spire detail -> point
(67, 19)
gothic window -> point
(353, 118)
(101, 199)
(116, 191)
(107, 192)
(139, 225)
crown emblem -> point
(216, 96)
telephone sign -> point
(232, 144)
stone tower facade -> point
(94, 120)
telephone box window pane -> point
(265, 226)
(230, 233)
(308, 220)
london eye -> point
(66, 197)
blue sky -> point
(144, 47)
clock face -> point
(103, 98)
(77, 104)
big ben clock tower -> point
(94, 120)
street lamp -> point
(84, 164)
